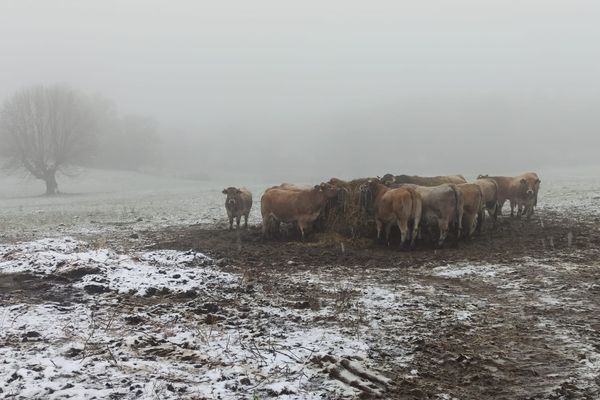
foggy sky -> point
(283, 89)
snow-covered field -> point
(98, 203)
(88, 309)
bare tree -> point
(46, 129)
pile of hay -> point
(344, 214)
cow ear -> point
(224, 191)
(317, 187)
(538, 181)
(523, 181)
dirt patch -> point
(547, 233)
(36, 289)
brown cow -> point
(401, 206)
(442, 205)
(319, 223)
(423, 180)
(473, 207)
(301, 206)
(238, 204)
(521, 191)
(489, 189)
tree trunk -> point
(51, 185)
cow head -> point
(233, 197)
(387, 179)
(528, 187)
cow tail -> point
(457, 211)
(496, 207)
(481, 211)
(413, 210)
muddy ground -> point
(514, 346)
(510, 314)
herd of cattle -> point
(412, 203)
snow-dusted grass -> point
(89, 348)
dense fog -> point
(272, 90)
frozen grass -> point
(100, 201)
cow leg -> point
(529, 211)
(246, 221)
(416, 232)
(431, 230)
(231, 222)
(512, 208)
(471, 225)
(443, 226)
(480, 219)
(467, 222)
(301, 226)
(378, 224)
(265, 226)
(237, 221)
(388, 228)
(276, 227)
(499, 205)
(519, 210)
(495, 216)
(403, 226)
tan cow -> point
(401, 206)
(301, 206)
(442, 206)
(238, 203)
(489, 189)
(473, 207)
(521, 191)
(423, 180)
(292, 186)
